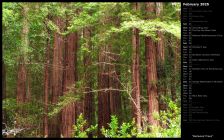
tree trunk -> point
(136, 107)
(79, 105)
(103, 94)
(151, 74)
(28, 96)
(176, 66)
(22, 73)
(114, 83)
(46, 84)
(69, 80)
(114, 75)
(89, 97)
(57, 79)
(160, 51)
(109, 98)
(160, 42)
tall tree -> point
(153, 104)
(46, 82)
(57, 78)
(136, 73)
(89, 96)
(69, 80)
(175, 67)
(104, 93)
(22, 72)
(114, 74)
(109, 98)
(103, 84)
(160, 56)
(160, 42)
(79, 105)
(114, 83)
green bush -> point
(169, 119)
(80, 130)
(29, 119)
(126, 130)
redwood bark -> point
(109, 98)
(103, 96)
(114, 75)
(28, 95)
(46, 85)
(160, 51)
(114, 83)
(69, 80)
(79, 105)
(176, 66)
(136, 107)
(21, 83)
(57, 79)
(89, 98)
(22, 72)
(151, 74)
(160, 42)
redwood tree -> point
(153, 104)
(79, 104)
(175, 68)
(109, 98)
(103, 94)
(22, 72)
(114, 74)
(46, 83)
(57, 78)
(136, 73)
(89, 96)
(114, 83)
(69, 79)
(160, 56)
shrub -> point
(80, 130)
(126, 129)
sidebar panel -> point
(202, 70)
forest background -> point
(91, 69)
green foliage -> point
(52, 26)
(176, 6)
(64, 101)
(88, 17)
(80, 129)
(32, 112)
(9, 105)
(73, 94)
(172, 119)
(110, 24)
(170, 126)
(8, 17)
(170, 123)
(150, 28)
(126, 130)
